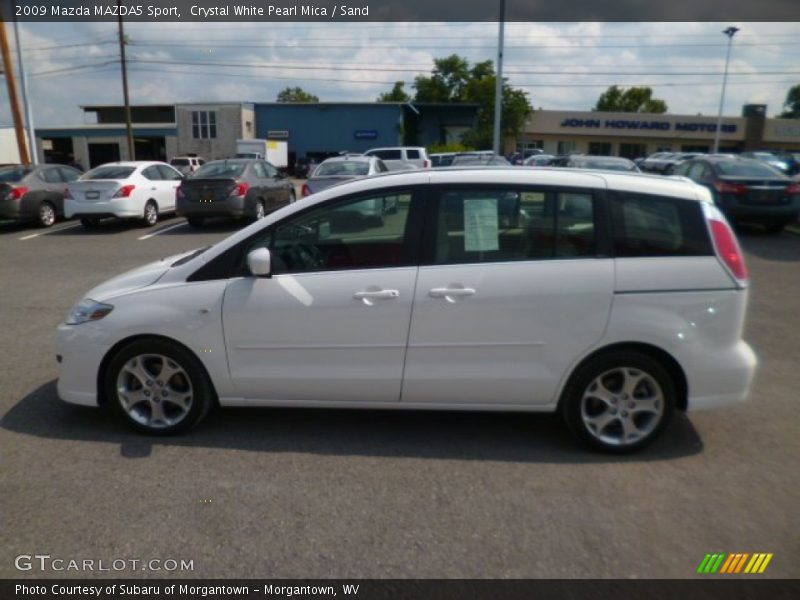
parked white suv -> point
(187, 164)
(413, 155)
(613, 299)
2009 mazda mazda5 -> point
(613, 299)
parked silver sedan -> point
(342, 168)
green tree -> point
(635, 99)
(398, 94)
(792, 104)
(453, 80)
(296, 94)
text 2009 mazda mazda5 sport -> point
(611, 298)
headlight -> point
(87, 310)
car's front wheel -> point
(158, 387)
(620, 401)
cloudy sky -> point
(560, 66)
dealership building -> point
(634, 135)
(321, 129)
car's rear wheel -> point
(619, 402)
(196, 221)
(292, 196)
(150, 216)
(158, 387)
(47, 214)
(90, 222)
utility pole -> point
(25, 102)
(128, 126)
(8, 69)
(730, 32)
(498, 87)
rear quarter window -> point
(649, 225)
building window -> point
(600, 148)
(565, 147)
(529, 145)
(204, 124)
(631, 151)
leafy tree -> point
(792, 104)
(453, 80)
(398, 94)
(635, 99)
(296, 94)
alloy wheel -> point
(47, 214)
(154, 390)
(622, 406)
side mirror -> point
(259, 262)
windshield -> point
(109, 173)
(349, 168)
(747, 168)
(221, 169)
(188, 257)
(13, 174)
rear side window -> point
(647, 225)
(512, 225)
(387, 154)
(412, 154)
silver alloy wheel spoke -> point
(154, 390)
(622, 405)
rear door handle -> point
(377, 295)
(452, 292)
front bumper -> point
(81, 348)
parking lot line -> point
(149, 235)
(33, 235)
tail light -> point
(125, 191)
(426, 164)
(723, 187)
(240, 189)
(305, 190)
(17, 193)
(792, 189)
(726, 245)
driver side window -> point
(358, 233)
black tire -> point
(46, 216)
(90, 222)
(776, 226)
(622, 407)
(201, 390)
(196, 222)
(292, 196)
(150, 214)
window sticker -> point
(480, 225)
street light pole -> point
(730, 32)
(25, 102)
(128, 126)
(498, 87)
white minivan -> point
(614, 299)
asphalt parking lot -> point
(315, 493)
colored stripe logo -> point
(737, 562)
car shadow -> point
(11, 227)
(506, 437)
(783, 246)
(110, 226)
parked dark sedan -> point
(747, 190)
(233, 188)
(34, 193)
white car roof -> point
(133, 163)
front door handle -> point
(377, 295)
(451, 292)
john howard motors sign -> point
(651, 125)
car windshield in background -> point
(109, 173)
(747, 169)
(179, 162)
(608, 165)
(220, 169)
(13, 174)
(348, 168)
